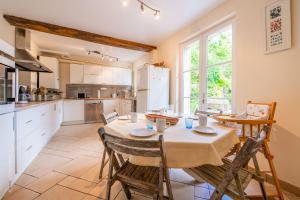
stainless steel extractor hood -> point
(24, 60)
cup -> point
(161, 124)
(202, 120)
(188, 123)
(149, 124)
(133, 117)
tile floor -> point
(68, 167)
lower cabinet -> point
(73, 110)
(44, 121)
(7, 153)
(125, 107)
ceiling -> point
(110, 18)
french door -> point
(207, 72)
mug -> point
(161, 124)
(202, 120)
(133, 117)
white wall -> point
(259, 77)
(7, 32)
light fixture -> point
(103, 56)
(125, 3)
(143, 5)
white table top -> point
(184, 148)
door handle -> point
(28, 122)
(28, 148)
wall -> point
(259, 77)
(7, 32)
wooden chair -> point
(222, 176)
(106, 119)
(145, 179)
(251, 124)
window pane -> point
(219, 47)
(219, 87)
(191, 57)
(186, 105)
(186, 84)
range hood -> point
(24, 60)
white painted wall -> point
(259, 77)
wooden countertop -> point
(20, 107)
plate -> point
(142, 132)
(205, 129)
(124, 117)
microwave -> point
(7, 84)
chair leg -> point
(109, 181)
(103, 163)
(269, 157)
(126, 190)
(168, 184)
(239, 186)
(261, 184)
(155, 197)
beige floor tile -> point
(202, 192)
(78, 166)
(89, 197)
(100, 189)
(61, 193)
(181, 176)
(25, 180)
(122, 196)
(78, 184)
(44, 164)
(182, 191)
(19, 193)
(46, 182)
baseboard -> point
(286, 186)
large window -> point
(207, 72)
(191, 77)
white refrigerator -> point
(152, 88)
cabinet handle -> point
(43, 114)
(28, 122)
(29, 148)
(44, 134)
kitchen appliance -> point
(7, 83)
(92, 111)
(23, 96)
(81, 95)
(152, 88)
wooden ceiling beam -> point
(74, 33)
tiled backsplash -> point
(91, 90)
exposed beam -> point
(74, 33)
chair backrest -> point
(147, 148)
(248, 151)
(107, 118)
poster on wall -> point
(278, 26)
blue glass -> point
(149, 124)
(188, 123)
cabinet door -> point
(73, 110)
(127, 77)
(7, 151)
(50, 80)
(76, 73)
(122, 76)
(110, 106)
(106, 76)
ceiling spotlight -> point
(142, 8)
(110, 59)
(125, 3)
(156, 15)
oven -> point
(7, 84)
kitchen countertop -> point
(102, 98)
(20, 107)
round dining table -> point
(184, 148)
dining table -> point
(184, 148)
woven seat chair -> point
(145, 179)
(232, 178)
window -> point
(191, 77)
(207, 74)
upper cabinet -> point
(122, 76)
(76, 73)
(50, 80)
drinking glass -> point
(133, 117)
(189, 123)
(149, 124)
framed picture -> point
(278, 26)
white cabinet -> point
(110, 105)
(76, 73)
(7, 151)
(50, 80)
(106, 76)
(73, 110)
(122, 76)
(94, 74)
(125, 107)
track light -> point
(142, 8)
(156, 15)
(103, 56)
(125, 3)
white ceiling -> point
(109, 17)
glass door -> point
(217, 68)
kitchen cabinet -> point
(34, 128)
(50, 80)
(122, 76)
(73, 111)
(76, 73)
(125, 107)
(110, 105)
(7, 152)
(94, 74)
